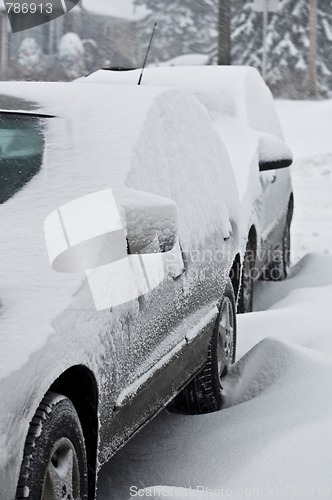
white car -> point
(242, 111)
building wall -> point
(110, 41)
(46, 35)
(116, 39)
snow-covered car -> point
(242, 110)
(118, 262)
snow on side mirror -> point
(151, 222)
(121, 263)
(87, 233)
(273, 153)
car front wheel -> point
(245, 302)
(279, 267)
(204, 393)
(54, 463)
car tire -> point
(204, 394)
(54, 464)
(278, 269)
(245, 301)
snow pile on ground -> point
(273, 439)
(312, 225)
(307, 128)
(302, 303)
(186, 60)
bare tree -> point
(312, 62)
(224, 30)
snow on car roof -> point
(232, 90)
(240, 106)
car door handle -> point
(174, 262)
(229, 233)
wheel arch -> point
(78, 384)
(244, 301)
(290, 209)
(235, 275)
(252, 238)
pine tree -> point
(71, 55)
(324, 61)
(287, 44)
(30, 58)
(184, 27)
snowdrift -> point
(273, 439)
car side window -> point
(261, 112)
(21, 151)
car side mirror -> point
(151, 222)
(89, 235)
(273, 153)
(88, 232)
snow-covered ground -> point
(186, 60)
(274, 440)
(308, 130)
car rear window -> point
(21, 151)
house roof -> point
(124, 9)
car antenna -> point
(147, 54)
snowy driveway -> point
(275, 438)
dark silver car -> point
(120, 255)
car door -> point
(262, 117)
(168, 327)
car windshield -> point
(21, 151)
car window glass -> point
(21, 151)
(261, 112)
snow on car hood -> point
(91, 145)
